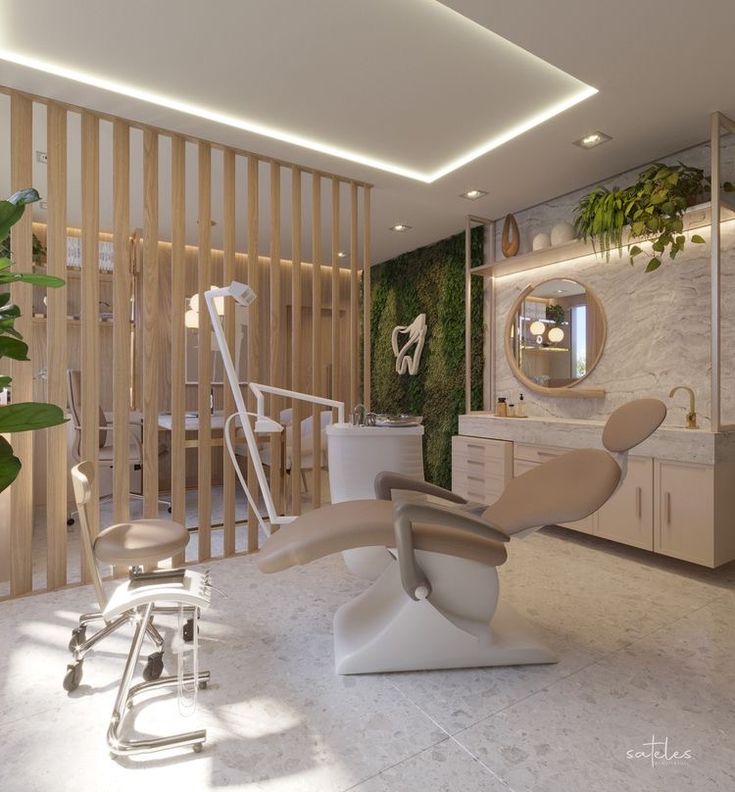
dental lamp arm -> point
(414, 581)
(388, 481)
(259, 389)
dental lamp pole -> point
(244, 295)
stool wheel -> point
(78, 637)
(197, 747)
(154, 667)
(188, 631)
(70, 521)
(73, 676)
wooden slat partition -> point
(150, 345)
(148, 358)
(228, 227)
(21, 494)
(277, 352)
(296, 363)
(205, 356)
(56, 361)
(90, 310)
(366, 295)
(335, 294)
(121, 291)
(178, 331)
(253, 327)
(354, 300)
(316, 336)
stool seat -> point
(140, 542)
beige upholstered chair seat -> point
(564, 489)
(365, 523)
(140, 542)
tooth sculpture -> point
(416, 331)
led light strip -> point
(288, 137)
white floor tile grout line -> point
(451, 737)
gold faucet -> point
(692, 414)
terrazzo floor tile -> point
(445, 767)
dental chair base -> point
(383, 629)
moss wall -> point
(429, 280)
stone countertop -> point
(669, 442)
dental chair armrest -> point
(387, 481)
(415, 583)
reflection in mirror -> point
(557, 333)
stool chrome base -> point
(125, 700)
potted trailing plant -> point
(652, 207)
(556, 314)
(24, 416)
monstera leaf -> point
(9, 464)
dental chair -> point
(437, 604)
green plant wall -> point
(429, 280)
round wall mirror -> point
(555, 335)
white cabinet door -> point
(686, 505)
(628, 516)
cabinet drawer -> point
(537, 453)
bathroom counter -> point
(672, 443)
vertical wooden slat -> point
(228, 228)
(276, 340)
(21, 494)
(178, 331)
(121, 290)
(253, 327)
(366, 297)
(354, 300)
(205, 356)
(335, 292)
(90, 309)
(316, 335)
(151, 343)
(296, 362)
(56, 362)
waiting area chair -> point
(108, 436)
(135, 544)
(436, 605)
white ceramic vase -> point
(561, 233)
(541, 241)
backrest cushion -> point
(631, 424)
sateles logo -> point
(658, 752)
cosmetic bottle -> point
(521, 408)
(502, 408)
(511, 411)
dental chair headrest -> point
(632, 423)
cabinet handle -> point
(474, 445)
(548, 453)
(475, 462)
(667, 497)
(475, 478)
(639, 502)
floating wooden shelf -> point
(699, 216)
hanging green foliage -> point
(429, 280)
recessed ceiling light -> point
(341, 254)
(473, 195)
(400, 227)
(592, 140)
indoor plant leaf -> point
(9, 464)
(27, 416)
(13, 348)
(697, 239)
(48, 281)
(653, 264)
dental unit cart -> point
(185, 590)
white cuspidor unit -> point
(672, 506)
(356, 455)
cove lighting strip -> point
(284, 136)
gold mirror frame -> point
(565, 390)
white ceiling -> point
(420, 86)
